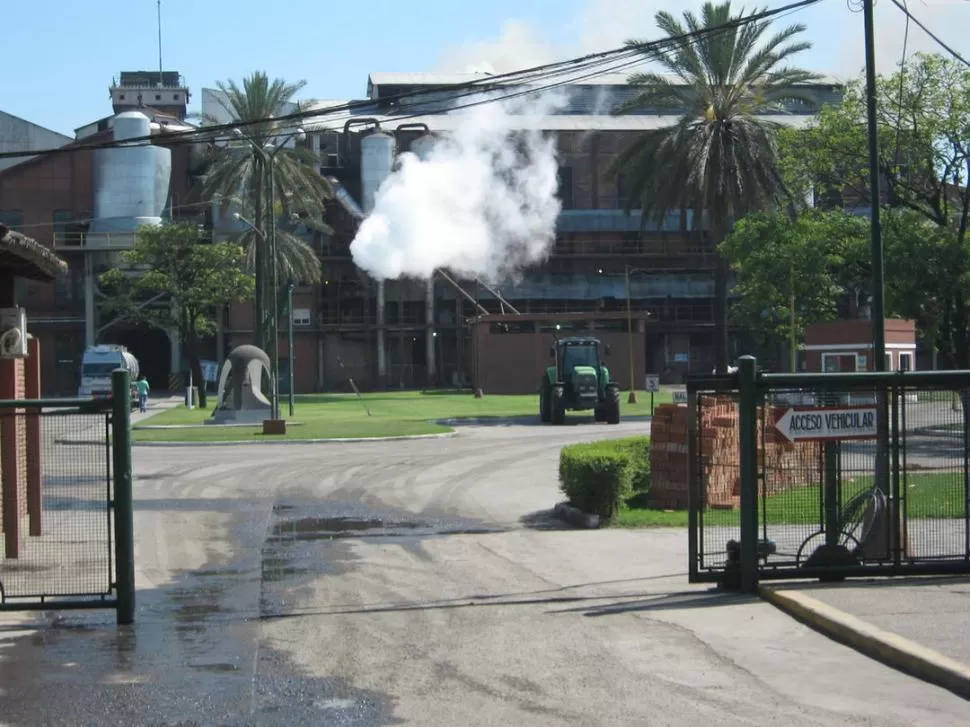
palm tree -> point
(237, 175)
(720, 160)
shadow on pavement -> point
(679, 600)
(544, 520)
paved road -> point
(421, 583)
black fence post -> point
(124, 527)
(748, 441)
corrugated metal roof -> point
(599, 122)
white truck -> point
(96, 366)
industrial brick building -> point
(409, 333)
(425, 336)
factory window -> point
(158, 97)
(622, 189)
(14, 219)
(121, 97)
(62, 220)
(175, 97)
(566, 187)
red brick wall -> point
(785, 465)
(513, 363)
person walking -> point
(143, 388)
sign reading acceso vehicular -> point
(800, 425)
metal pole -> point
(748, 436)
(259, 307)
(791, 322)
(289, 337)
(878, 271)
(878, 544)
(124, 525)
(274, 271)
(632, 398)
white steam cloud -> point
(834, 29)
(482, 204)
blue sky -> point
(68, 57)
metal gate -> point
(67, 504)
(828, 475)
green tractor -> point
(578, 381)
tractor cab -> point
(578, 364)
(578, 380)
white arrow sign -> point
(800, 425)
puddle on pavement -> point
(324, 528)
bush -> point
(597, 477)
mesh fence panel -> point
(719, 477)
(933, 469)
(68, 454)
(813, 491)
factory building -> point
(406, 333)
(87, 204)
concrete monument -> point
(240, 394)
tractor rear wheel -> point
(611, 407)
(545, 403)
(558, 405)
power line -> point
(930, 33)
(626, 56)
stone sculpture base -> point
(245, 416)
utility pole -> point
(880, 538)
(878, 266)
(632, 397)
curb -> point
(884, 646)
(457, 421)
(575, 516)
(345, 440)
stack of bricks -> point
(668, 458)
(12, 422)
(785, 465)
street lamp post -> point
(632, 397)
(268, 160)
(289, 342)
(628, 271)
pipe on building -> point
(451, 281)
(430, 347)
(346, 200)
(89, 284)
(357, 121)
(499, 297)
(414, 125)
(381, 351)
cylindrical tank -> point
(376, 161)
(422, 146)
(130, 184)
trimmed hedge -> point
(597, 477)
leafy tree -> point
(190, 277)
(238, 175)
(819, 258)
(720, 159)
(923, 134)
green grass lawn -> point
(336, 416)
(928, 495)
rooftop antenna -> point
(161, 75)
